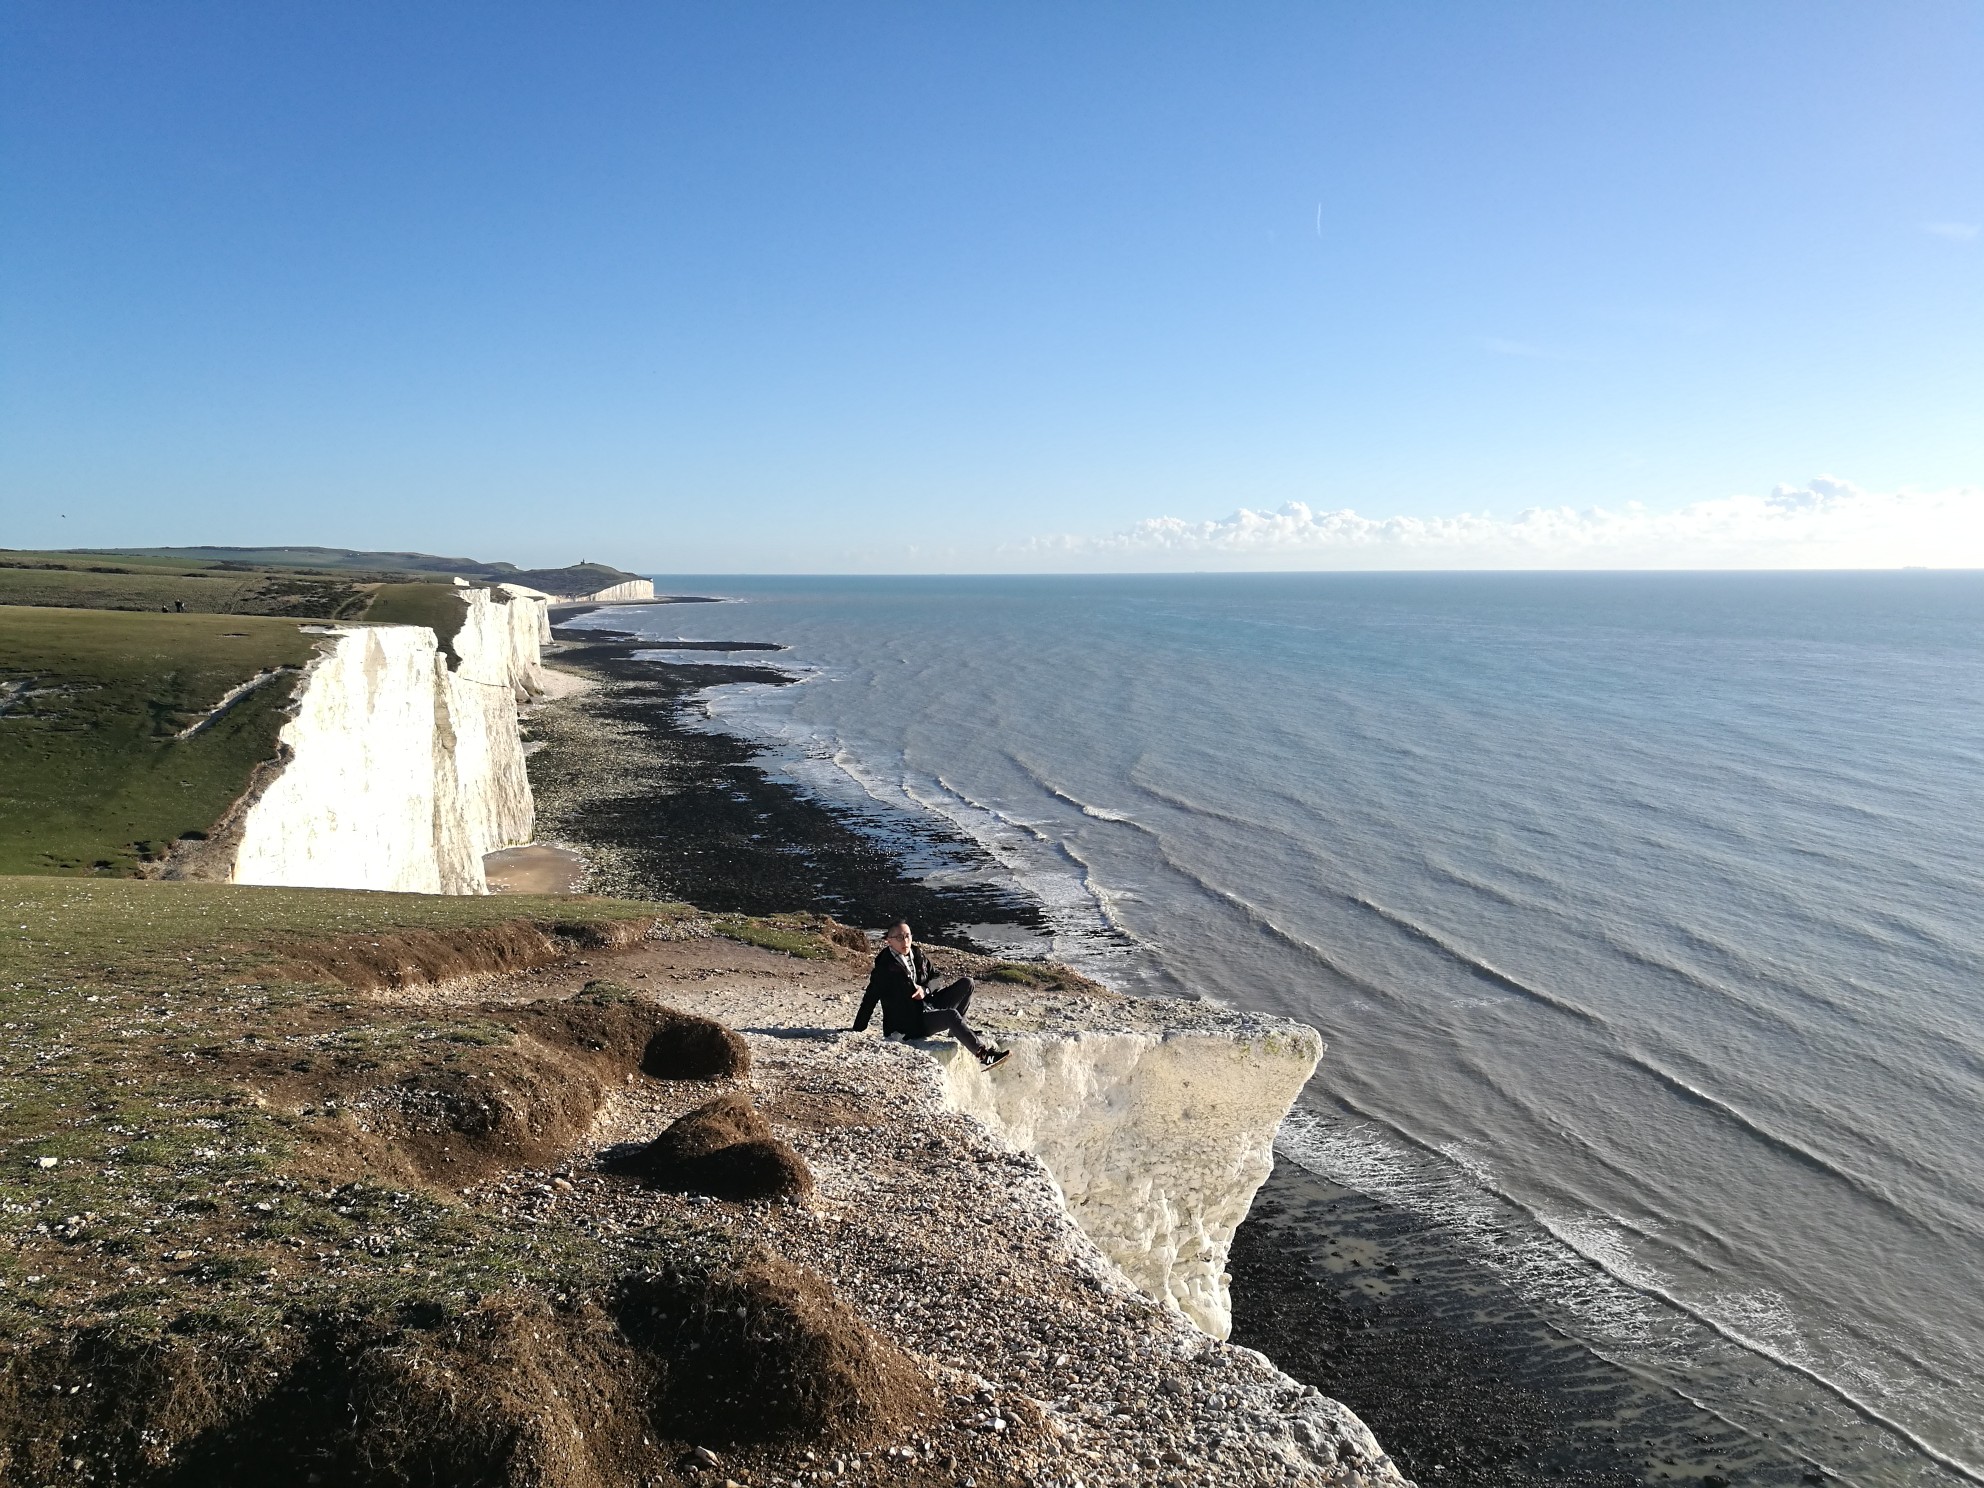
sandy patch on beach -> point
(538, 868)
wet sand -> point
(538, 868)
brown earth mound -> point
(849, 938)
(723, 1122)
(512, 1392)
(412, 958)
(635, 1033)
(520, 1096)
(529, 1103)
(780, 1356)
(768, 1169)
(725, 1149)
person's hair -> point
(904, 923)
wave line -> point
(1480, 1176)
(1475, 966)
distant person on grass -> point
(901, 982)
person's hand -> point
(917, 994)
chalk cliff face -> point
(1158, 1137)
(501, 638)
(632, 589)
(400, 771)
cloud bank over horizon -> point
(1826, 523)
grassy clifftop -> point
(124, 730)
(144, 1028)
(111, 747)
(327, 563)
(439, 607)
(72, 581)
(233, 1243)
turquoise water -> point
(1641, 913)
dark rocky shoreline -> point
(669, 810)
(1463, 1383)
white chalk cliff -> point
(1158, 1135)
(399, 770)
(632, 589)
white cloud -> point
(1956, 232)
(1827, 523)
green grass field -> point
(64, 581)
(127, 1009)
(94, 776)
(106, 561)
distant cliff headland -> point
(164, 713)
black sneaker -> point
(991, 1057)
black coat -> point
(890, 985)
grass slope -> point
(316, 558)
(130, 1013)
(94, 777)
(232, 1243)
(578, 578)
(72, 581)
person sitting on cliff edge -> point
(901, 982)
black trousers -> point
(943, 1013)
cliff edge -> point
(1157, 1122)
(336, 1184)
(402, 764)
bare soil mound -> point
(513, 1392)
(413, 958)
(725, 1149)
(779, 1356)
(633, 1033)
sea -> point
(1643, 914)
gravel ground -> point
(950, 1243)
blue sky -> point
(774, 287)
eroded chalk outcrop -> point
(1007, 1270)
(1157, 1121)
(400, 766)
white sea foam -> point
(1584, 1266)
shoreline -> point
(1461, 1378)
(663, 809)
(1463, 1382)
